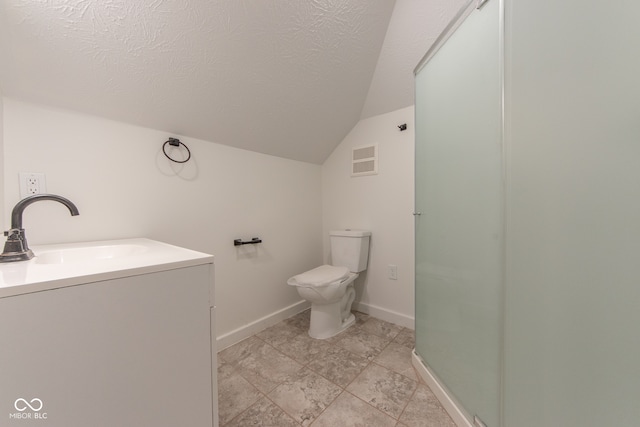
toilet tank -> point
(350, 248)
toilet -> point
(329, 288)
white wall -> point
(2, 213)
(124, 187)
(381, 203)
(414, 26)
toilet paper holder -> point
(239, 242)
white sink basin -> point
(69, 264)
(82, 255)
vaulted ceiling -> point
(288, 78)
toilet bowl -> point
(330, 291)
(329, 288)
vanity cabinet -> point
(136, 350)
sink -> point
(81, 255)
(68, 264)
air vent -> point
(364, 160)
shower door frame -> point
(456, 409)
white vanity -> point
(115, 333)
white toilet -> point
(329, 288)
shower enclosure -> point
(459, 193)
(528, 214)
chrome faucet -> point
(16, 247)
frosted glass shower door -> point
(459, 234)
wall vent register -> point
(364, 160)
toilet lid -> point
(323, 275)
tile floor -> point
(281, 377)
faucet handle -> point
(15, 248)
(12, 232)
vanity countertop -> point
(70, 264)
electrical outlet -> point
(32, 183)
(393, 272)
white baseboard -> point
(237, 335)
(386, 315)
(455, 411)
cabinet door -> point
(131, 352)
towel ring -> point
(175, 142)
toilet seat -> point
(324, 275)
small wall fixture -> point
(239, 242)
(175, 142)
(364, 160)
(402, 127)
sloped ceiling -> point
(283, 77)
(414, 26)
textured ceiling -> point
(282, 77)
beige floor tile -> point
(334, 339)
(305, 395)
(235, 394)
(371, 360)
(265, 367)
(300, 320)
(263, 413)
(397, 358)
(384, 389)
(381, 328)
(303, 348)
(349, 411)
(279, 333)
(406, 337)
(360, 317)
(363, 343)
(239, 350)
(338, 365)
(424, 410)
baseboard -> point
(237, 335)
(455, 411)
(384, 314)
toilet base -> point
(321, 329)
(328, 320)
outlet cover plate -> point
(32, 183)
(392, 272)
